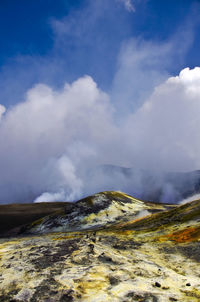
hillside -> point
(97, 211)
(107, 247)
(13, 216)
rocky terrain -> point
(106, 247)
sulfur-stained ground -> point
(151, 258)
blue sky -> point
(88, 83)
(54, 42)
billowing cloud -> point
(167, 135)
(191, 198)
(48, 139)
(51, 144)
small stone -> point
(113, 280)
(188, 284)
(157, 284)
(91, 247)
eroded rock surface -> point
(144, 252)
(100, 210)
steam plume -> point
(53, 141)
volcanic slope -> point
(100, 210)
(107, 247)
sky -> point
(95, 82)
(54, 42)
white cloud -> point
(191, 198)
(47, 140)
(167, 125)
(49, 197)
(141, 66)
(2, 110)
(51, 142)
(128, 5)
